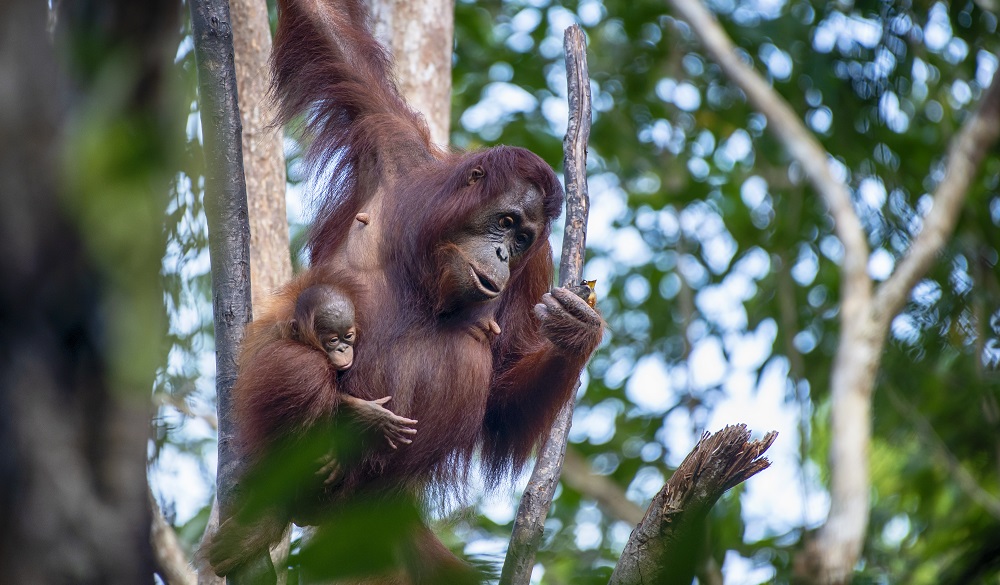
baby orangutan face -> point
(325, 317)
(337, 333)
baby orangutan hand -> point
(372, 414)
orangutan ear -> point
(475, 175)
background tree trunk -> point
(866, 312)
(84, 182)
(263, 152)
(264, 169)
(420, 36)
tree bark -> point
(228, 227)
(263, 152)
(264, 169)
(81, 303)
(662, 548)
(420, 36)
(537, 498)
(866, 313)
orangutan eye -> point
(523, 239)
(506, 222)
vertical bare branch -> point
(537, 498)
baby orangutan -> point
(324, 319)
(284, 390)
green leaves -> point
(884, 87)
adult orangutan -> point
(451, 252)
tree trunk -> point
(263, 152)
(420, 36)
(84, 178)
(865, 314)
(228, 227)
(264, 169)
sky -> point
(788, 495)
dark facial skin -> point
(333, 323)
(492, 242)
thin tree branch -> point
(226, 211)
(171, 561)
(963, 479)
(965, 155)
(662, 547)
(538, 494)
(799, 142)
(608, 494)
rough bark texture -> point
(538, 494)
(263, 167)
(263, 153)
(420, 36)
(226, 210)
(662, 548)
(205, 574)
(866, 313)
(80, 300)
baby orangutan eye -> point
(506, 222)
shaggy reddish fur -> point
(497, 397)
(284, 386)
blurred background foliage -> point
(717, 274)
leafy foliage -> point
(712, 254)
(717, 269)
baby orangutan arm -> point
(371, 414)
